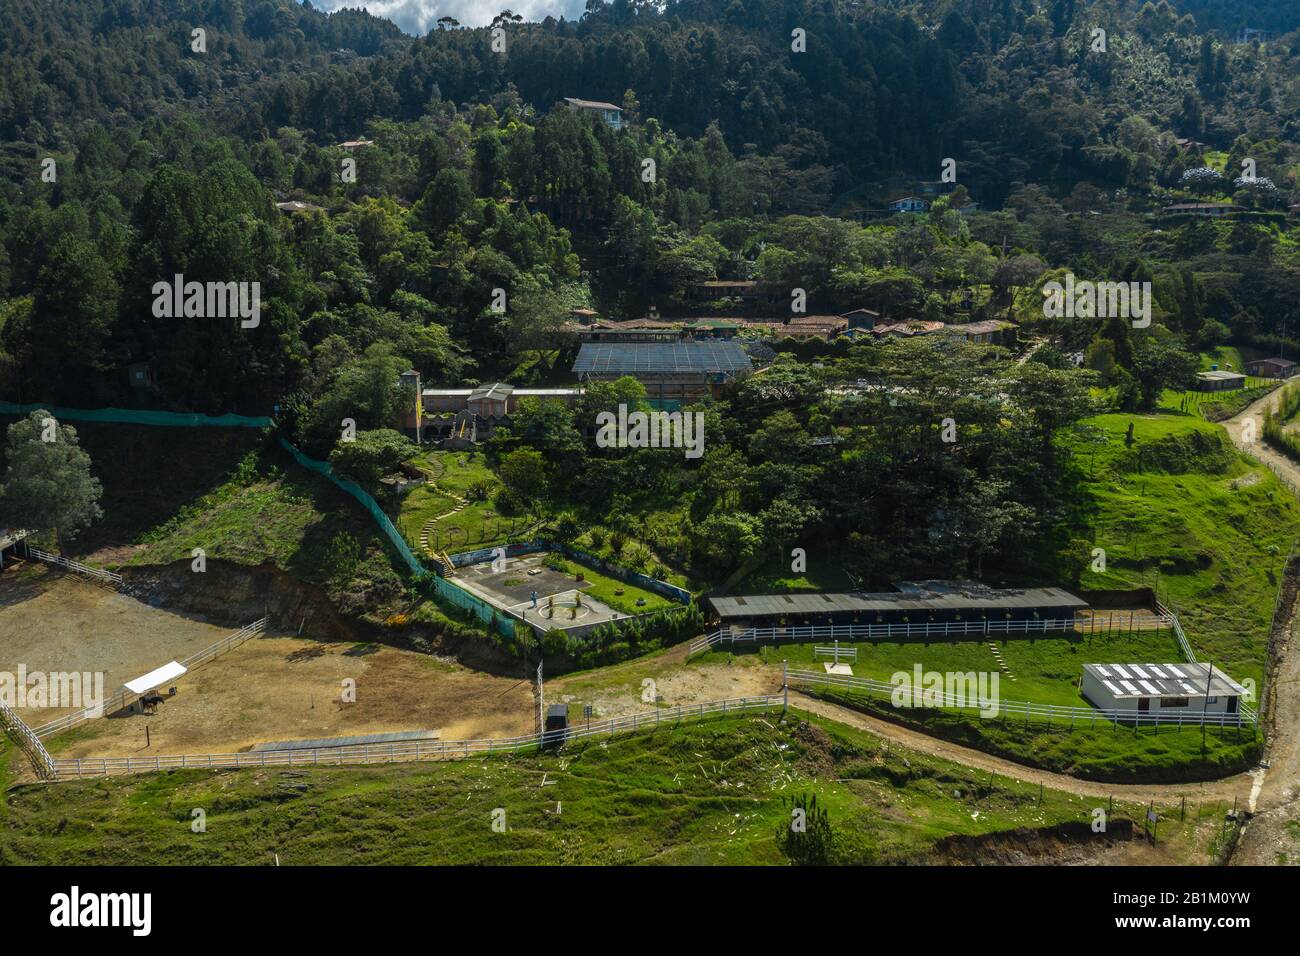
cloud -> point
(420, 16)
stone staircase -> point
(1002, 664)
(427, 531)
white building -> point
(909, 204)
(1164, 689)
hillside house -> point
(987, 332)
(611, 114)
(862, 318)
(1205, 210)
(1272, 368)
(1217, 380)
(908, 204)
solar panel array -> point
(631, 358)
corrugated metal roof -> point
(632, 357)
(914, 598)
(1190, 681)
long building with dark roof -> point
(915, 602)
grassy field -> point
(1046, 669)
(1184, 513)
(619, 595)
(1106, 751)
(709, 793)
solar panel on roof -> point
(1101, 669)
(1129, 687)
(1137, 670)
(1120, 671)
(1157, 671)
(1175, 671)
(1112, 688)
(1148, 687)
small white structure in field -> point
(1161, 689)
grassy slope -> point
(702, 793)
(1101, 751)
(1213, 544)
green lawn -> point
(605, 589)
(1046, 669)
(704, 793)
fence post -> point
(785, 686)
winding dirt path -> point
(1275, 794)
(1223, 789)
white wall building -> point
(1164, 689)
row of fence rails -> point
(31, 745)
(124, 698)
(803, 633)
(419, 750)
(944, 700)
(1179, 633)
(245, 633)
(68, 564)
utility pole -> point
(1205, 706)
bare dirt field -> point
(284, 688)
(291, 687)
(52, 621)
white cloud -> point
(421, 16)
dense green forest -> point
(127, 156)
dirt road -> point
(1275, 794)
(1225, 789)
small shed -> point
(1272, 368)
(557, 725)
(1161, 689)
(1219, 381)
(12, 544)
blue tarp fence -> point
(449, 592)
(140, 416)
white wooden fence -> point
(411, 750)
(124, 698)
(1084, 624)
(1178, 633)
(17, 729)
(835, 653)
(99, 574)
(1087, 716)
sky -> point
(419, 16)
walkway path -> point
(1275, 795)
(1224, 789)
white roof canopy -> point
(155, 678)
